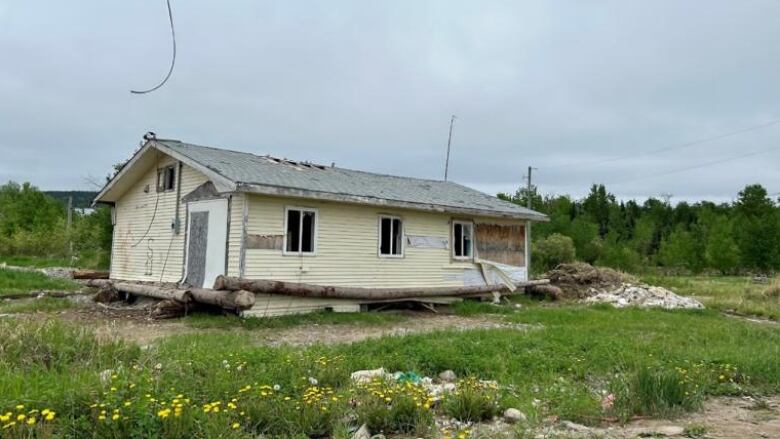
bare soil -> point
(136, 325)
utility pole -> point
(449, 143)
(529, 203)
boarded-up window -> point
(462, 240)
(390, 236)
(501, 243)
(301, 230)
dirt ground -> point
(721, 418)
(134, 325)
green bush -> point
(659, 392)
(394, 407)
(553, 250)
(473, 401)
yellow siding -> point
(235, 233)
(347, 247)
(160, 252)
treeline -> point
(34, 224)
(738, 237)
(81, 199)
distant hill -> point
(81, 199)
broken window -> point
(166, 179)
(301, 231)
(462, 239)
(390, 236)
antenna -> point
(449, 143)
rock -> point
(513, 416)
(448, 376)
(365, 376)
(664, 431)
(362, 433)
(574, 426)
(378, 436)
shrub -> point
(553, 250)
(650, 391)
(473, 401)
(394, 407)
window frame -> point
(161, 178)
(470, 224)
(301, 209)
(379, 237)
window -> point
(391, 235)
(166, 179)
(301, 231)
(462, 241)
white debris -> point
(644, 296)
(365, 376)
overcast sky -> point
(563, 86)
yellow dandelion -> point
(236, 426)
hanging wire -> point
(668, 148)
(173, 58)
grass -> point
(726, 293)
(578, 355)
(99, 260)
(219, 321)
(43, 305)
(15, 282)
(35, 261)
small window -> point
(300, 231)
(462, 241)
(391, 235)
(166, 179)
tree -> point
(597, 206)
(722, 252)
(757, 229)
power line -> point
(173, 58)
(672, 147)
(701, 165)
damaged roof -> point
(246, 172)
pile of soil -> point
(579, 280)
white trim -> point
(379, 237)
(316, 212)
(223, 246)
(470, 224)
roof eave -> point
(222, 183)
(282, 191)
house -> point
(185, 213)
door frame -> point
(223, 246)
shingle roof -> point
(248, 170)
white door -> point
(206, 242)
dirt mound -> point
(579, 280)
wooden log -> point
(99, 283)
(182, 296)
(238, 300)
(166, 309)
(262, 286)
(90, 274)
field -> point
(212, 376)
(18, 282)
(732, 294)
